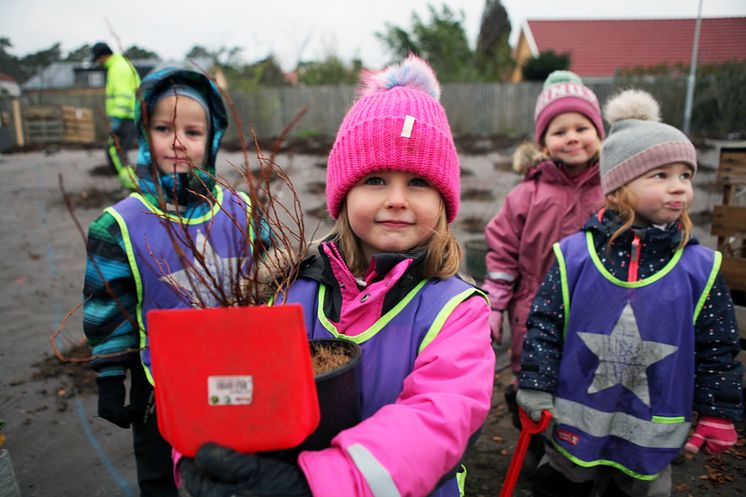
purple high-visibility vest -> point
(162, 280)
(391, 345)
(626, 382)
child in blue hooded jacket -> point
(133, 261)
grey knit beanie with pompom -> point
(638, 142)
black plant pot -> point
(339, 396)
(338, 392)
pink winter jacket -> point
(443, 401)
(547, 206)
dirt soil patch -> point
(722, 475)
(76, 369)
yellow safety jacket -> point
(122, 81)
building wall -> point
(521, 53)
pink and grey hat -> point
(397, 124)
(564, 91)
(637, 142)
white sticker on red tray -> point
(230, 390)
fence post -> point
(18, 122)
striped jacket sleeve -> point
(110, 300)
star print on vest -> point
(624, 357)
(191, 277)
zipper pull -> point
(634, 262)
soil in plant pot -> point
(327, 356)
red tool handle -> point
(529, 428)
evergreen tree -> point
(492, 57)
(537, 69)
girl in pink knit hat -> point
(560, 190)
(386, 279)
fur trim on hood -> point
(526, 156)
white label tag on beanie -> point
(406, 130)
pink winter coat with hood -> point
(546, 207)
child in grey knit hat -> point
(638, 142)
(632, 335)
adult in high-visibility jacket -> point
(122, 82)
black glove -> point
(217, 471)
(111, 395)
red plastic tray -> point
(237, 376)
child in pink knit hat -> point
(386, 279)
(560, 189)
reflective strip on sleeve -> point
(378, 478)
(497, 275)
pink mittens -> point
(716, 434)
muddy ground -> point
(57, 443)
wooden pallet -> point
(59, 124)
(729, 218)
(78, 124)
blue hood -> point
(154, 84)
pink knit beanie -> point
(564, 91)
(397, 124)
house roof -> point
(8, 85)
(58, 75)
(598, 47)
(55, 75)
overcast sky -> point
(291, 29)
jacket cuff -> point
(330, 472)
(112, 371)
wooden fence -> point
(473, 109)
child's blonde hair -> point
(623, 201)
(443, 252)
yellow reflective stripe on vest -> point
(563, 280)
(375, 327)
(442, 316)
(247, 200)
(136, 275)
(461, 480)
(602, 462)
(378, 478)
(217, 202)
(630, 284)
(710, 281)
